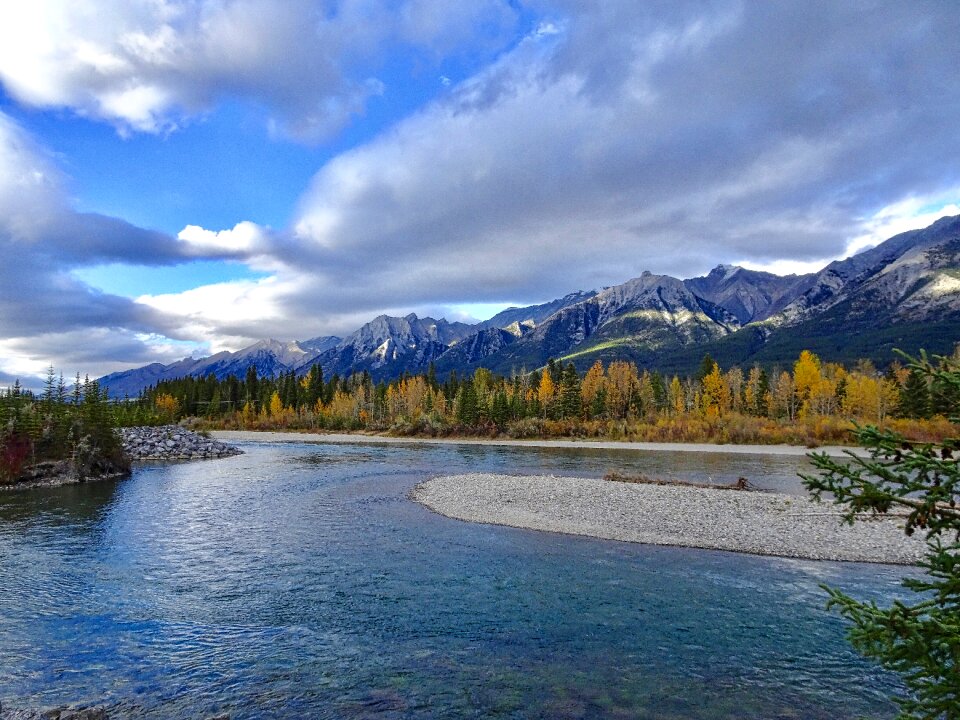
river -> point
(298, 580)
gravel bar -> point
(761, 523)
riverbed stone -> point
(172, 442)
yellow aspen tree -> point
(392, 402)
(806, 377)
(413, 393)
(862, 399)
(546, 391)
(592, 383)
(343, 406)
(621, 383)
(439, 402)
(782, 397)
(822, 399)
(167, 405)
(888, 397)
(735, 382)
(276, 405)
(715, 398)
(676, 397)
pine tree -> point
(499, 409)
(466, 405)
(706, 367)
(921, 641)
(915, 396)
(571, 404)
(314, 386)
(251, 385)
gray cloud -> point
(621, 137)
(46, 313)
(666, 137)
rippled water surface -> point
(299, 581)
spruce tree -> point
(706, 367)
(571, 403)
(920, 641)
(915, 396)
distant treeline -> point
(809, 402)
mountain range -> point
(903, 293)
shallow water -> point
(299, 581)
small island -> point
(761, 523)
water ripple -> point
(300, 581)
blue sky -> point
(182, 177)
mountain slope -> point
(651, 311)
(266, 355)
(903, 293)
(535, 313)
(749, 295)
(388, 346)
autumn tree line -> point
(810, 402)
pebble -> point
(172, 442)
(761, 523)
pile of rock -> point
(172, 442)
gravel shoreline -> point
(760, 523)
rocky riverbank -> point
(172, 442)
(96, 712)
(167, 442)
(761, 523)
(60, 713)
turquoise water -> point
(299, 581)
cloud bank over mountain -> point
(608, 139)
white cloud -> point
(911, 213)
(551, 172)
(246, 241)
(611, 140)
(47, 314)
(676, 142)
(150, 65)
(226, 315)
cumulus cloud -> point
(614, 141)
(640, 136)
(46, 314)
(150, 65)
(615, 138)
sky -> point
(180, 177)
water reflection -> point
(299, 581)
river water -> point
(298, 580)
